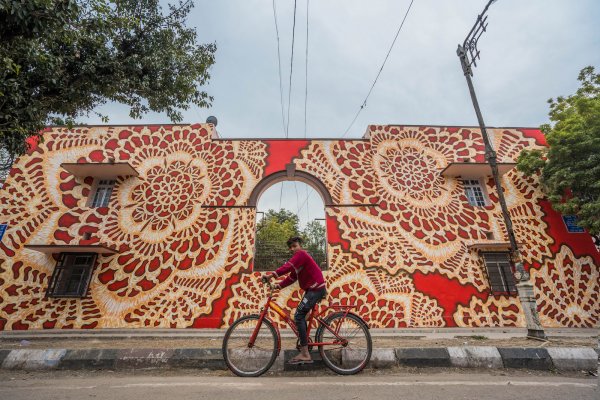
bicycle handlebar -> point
(268, 283)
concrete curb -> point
(553, 358)
(423, 357)
(526, 357)
(573, 358)
(475, 357)
(34, 359)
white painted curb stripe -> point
(246, 385)
(33, 359)
(475, 357)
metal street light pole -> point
(468, 54)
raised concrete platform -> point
(558, 358)
(121, 349)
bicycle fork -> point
(262, 317)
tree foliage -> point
(314, 239)
(273, 229)
(272, 233)
(59, 59)
(570, 167)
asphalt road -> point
(381, 386)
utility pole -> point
(468, 54)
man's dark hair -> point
(295, 239)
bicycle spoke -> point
(354, 355)
(241, 346)
(244, 360)
(333, 348)
(261, 348)
(352, 334)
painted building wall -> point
(398, 232)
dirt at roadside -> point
(378, 342)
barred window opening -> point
(71, 275)
(499, 273)
(271, 255)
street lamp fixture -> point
(469, 54)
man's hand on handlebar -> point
(266, 279)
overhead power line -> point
(307, 195)
(305, 201)
(291, 72)
(279, 63)
(297, 200)
(306, 70)
(281, 194)
(364, 103)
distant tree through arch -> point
(274, 226)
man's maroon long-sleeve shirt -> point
(302, 268)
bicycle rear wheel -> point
(349, 358)
(245, 360)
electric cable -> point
(364, 103)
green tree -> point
(570, 167)
(59, 59)
(272, 233)
(282, 216)
(314, 235)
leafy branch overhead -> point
(60, 59)
(570, 167)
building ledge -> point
(100, 170)
(491, 246)
(67, 248)
(474, 170)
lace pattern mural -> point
(400, 234)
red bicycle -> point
(252, 343)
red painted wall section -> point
(32, 142)
(333, 232)
(536, 134)
(215, 318)
(281, 153)
(580, 243)
(449, 293)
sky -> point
(533, 50)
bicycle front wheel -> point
(247, 360)
(352, 356)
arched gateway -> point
(290, 174)
(153, 226)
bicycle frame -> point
(314, 315)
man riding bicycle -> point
(302, 268)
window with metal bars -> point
(103, 192)
(474, 192)
(71, 275)
(270, 255)
(499, 273)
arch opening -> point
(282, 176)
(289, 206)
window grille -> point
(500, 273)
(273, 254)
(71, 275)
(474, 192)
(103, 193)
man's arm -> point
(293, 264)
(291, 278)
